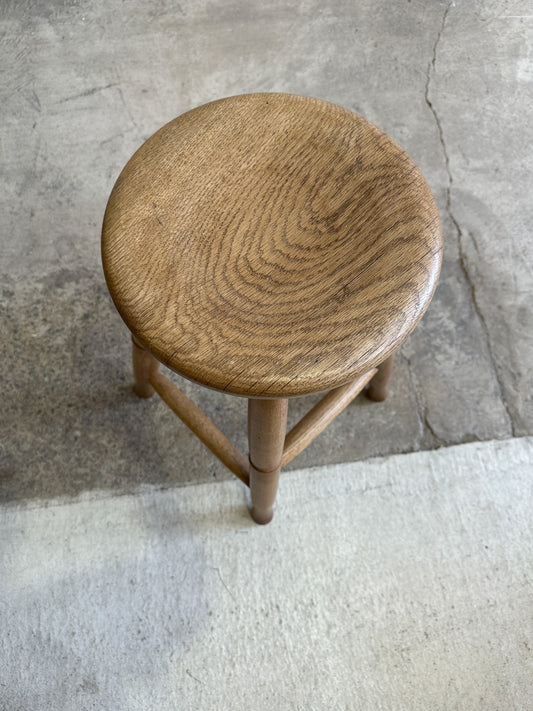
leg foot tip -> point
(262, 517)
(377, 395)
(145, 392)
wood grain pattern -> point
(271, 245)
(267, 424)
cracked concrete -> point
(430, 72)
(449, 209)
(85, 83)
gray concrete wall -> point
(84, 83)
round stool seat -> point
(271, 245)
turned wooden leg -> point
(267, 423)
(144, 364)
(378, 389)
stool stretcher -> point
(319, 417)
(202, 426)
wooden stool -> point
(269, 246)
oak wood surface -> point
(271, 245)
(144, 365)
(267, 424)
(319, 417)
(379, 390)
(201, 425)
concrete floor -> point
(86, 82)
(396, 584)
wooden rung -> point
(202, 426)
(321, 415)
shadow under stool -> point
(269, 246)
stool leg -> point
(378, 389)
(144, 364)
(267, 423)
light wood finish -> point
(271, 245)
(319, 417)
(379, 390)
(201, 425)
(267, 423)
(144, 365)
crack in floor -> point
(422, 412)
(460, 234)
